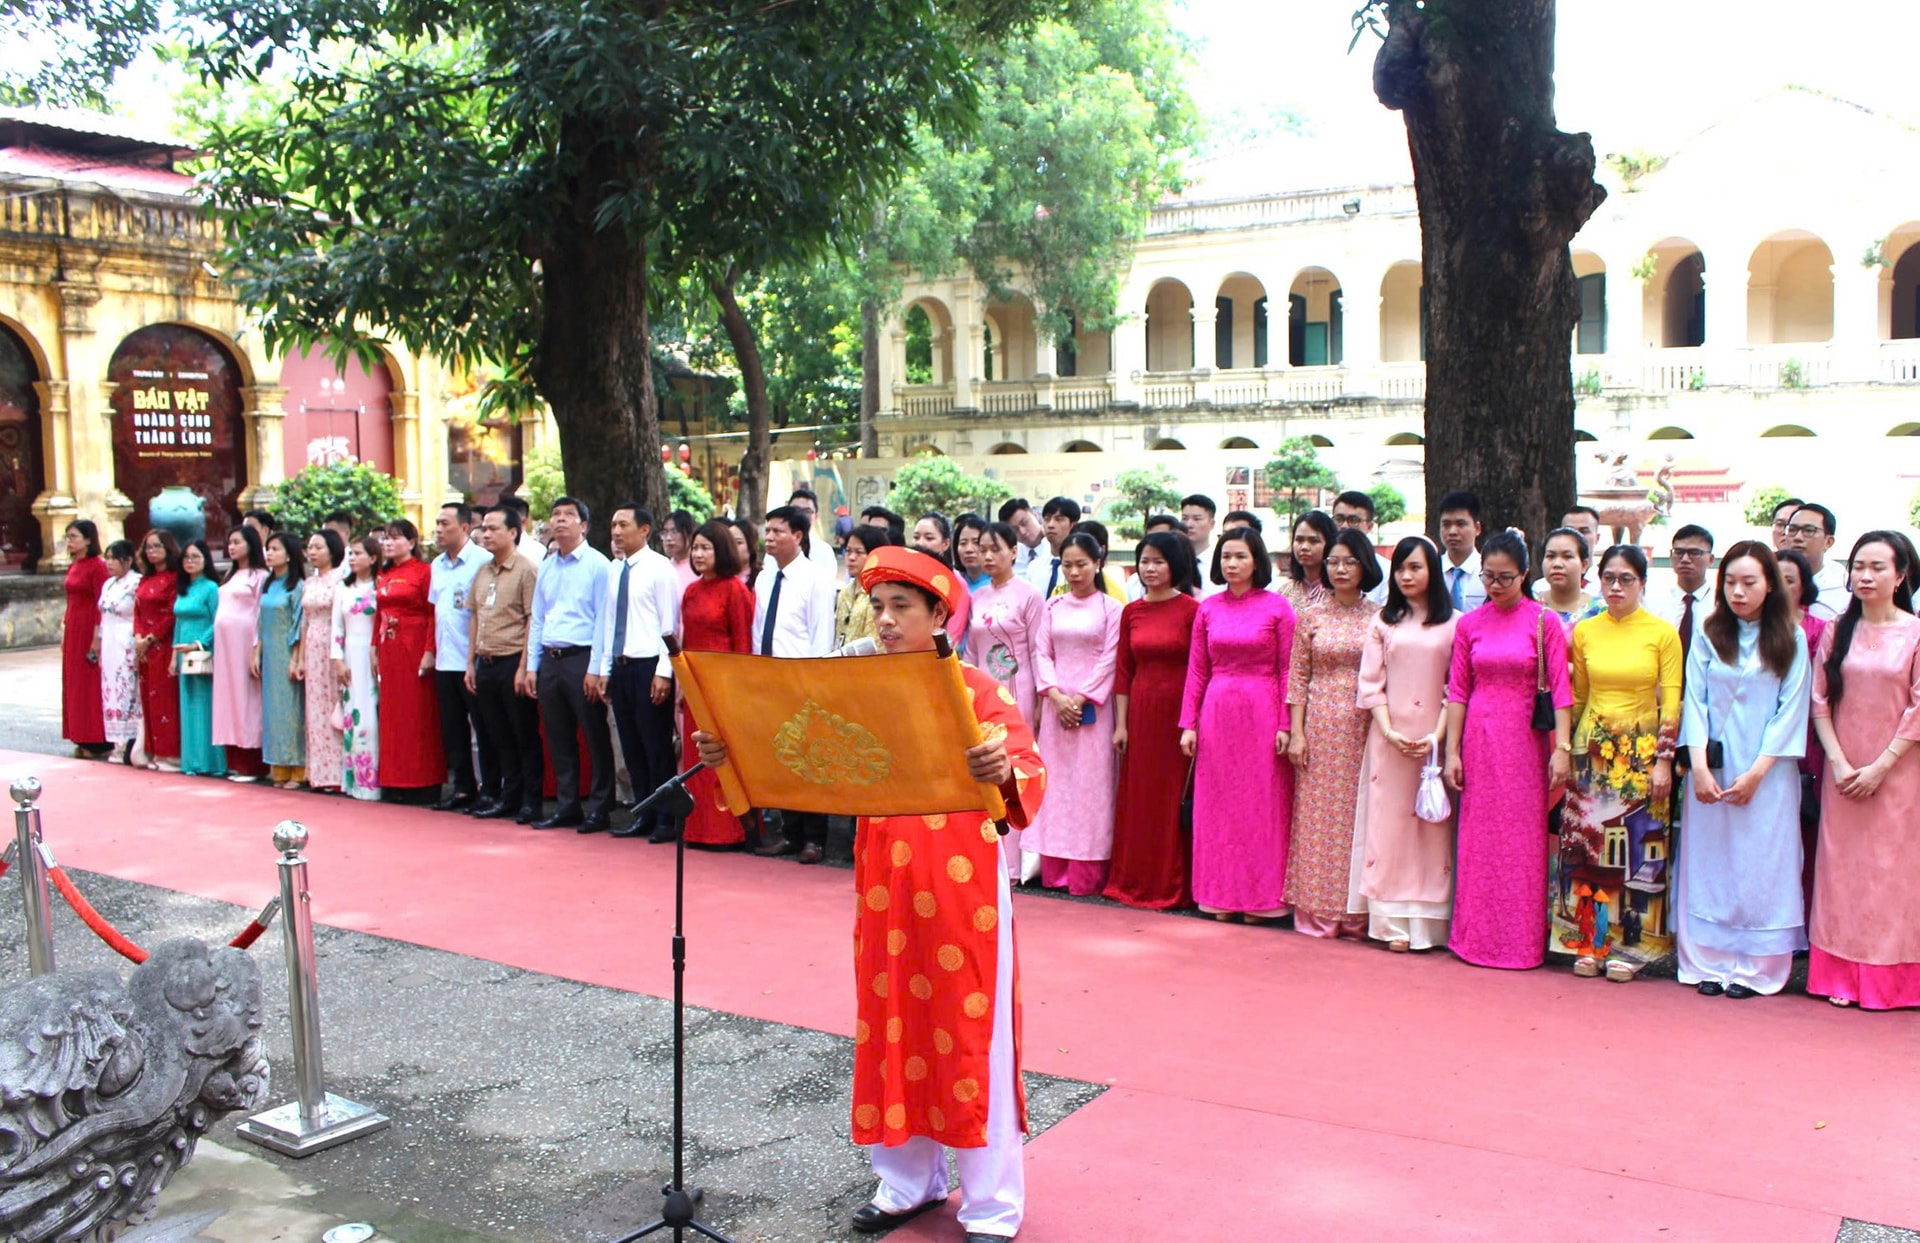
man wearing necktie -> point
(1057, 517)
(1460, 541)
(792, 617)
(643, 608)
(1686, 610)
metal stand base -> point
(340, 1120)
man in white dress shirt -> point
(792, 617)
(1686, 607)
(1354, 511)
(1810, 530)
(1197, 517)
(1460, 543)
(1056, 523)
(453, 570)
(642, 608)
(1018, 514)
(818, 551)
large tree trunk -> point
(593, 366)
(869, 379)
(1501, 192)
(753, 381)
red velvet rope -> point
(248, 935)
(94, 919)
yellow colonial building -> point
(128, 370)
(1750, 310)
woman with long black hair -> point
(1406, 872)
(1866, 711)
(283, 738)
(1305, 581)
(1738, 911)
(412, 765)
(83, 720)
(236, 669)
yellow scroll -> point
(853, 736)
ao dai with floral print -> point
(1612, 874)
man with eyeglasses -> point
(1782, 515)
(1460, 541)
(1810, 533)
(1687, 606)
(1354, 511)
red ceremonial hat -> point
(894, 564)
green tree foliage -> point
(359, 488)
(491, 181)
(1084, 124)
(1294, 469)
(1762, 502)
(1389, 505)
(689, 494)
(66, 52)
(937, 484)
(543, 480)
(1143, 493)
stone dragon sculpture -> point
(106, 1088)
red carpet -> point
(1277, 1086)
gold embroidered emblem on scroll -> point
(827, 749)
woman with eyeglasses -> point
(1738, 912)
(1406, 875)
(1503, 767)
(1612, 872)
(1327, 739)
(1866, 711)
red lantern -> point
(686, 452)
(664, 452)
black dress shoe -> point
(483, 803)
(529, 815)
(596, 823)
(812, 852)
(454, 802)
(871, 1217)
(560, 820)
(1711, 988)
(974, 1236)
(635, 829)
(664, 833)
(493, 811)
(1740, 992)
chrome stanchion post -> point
(317, 1119)
(32, 862)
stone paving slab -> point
(525, 1107)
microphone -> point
(868, 646)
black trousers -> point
(459, 728)
(646, 728)
(809, 828)
(510, 728)
(567, 712)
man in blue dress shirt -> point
(567, 599)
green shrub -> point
(359, 488)
(1762, 503)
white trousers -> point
(993, 1179)
(1763, 973)
(1419, 932)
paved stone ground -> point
(525, 1107)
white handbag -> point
(1430, 803)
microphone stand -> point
(679, 1212)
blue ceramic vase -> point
(178, 509)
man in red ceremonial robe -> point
(936, 1042)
